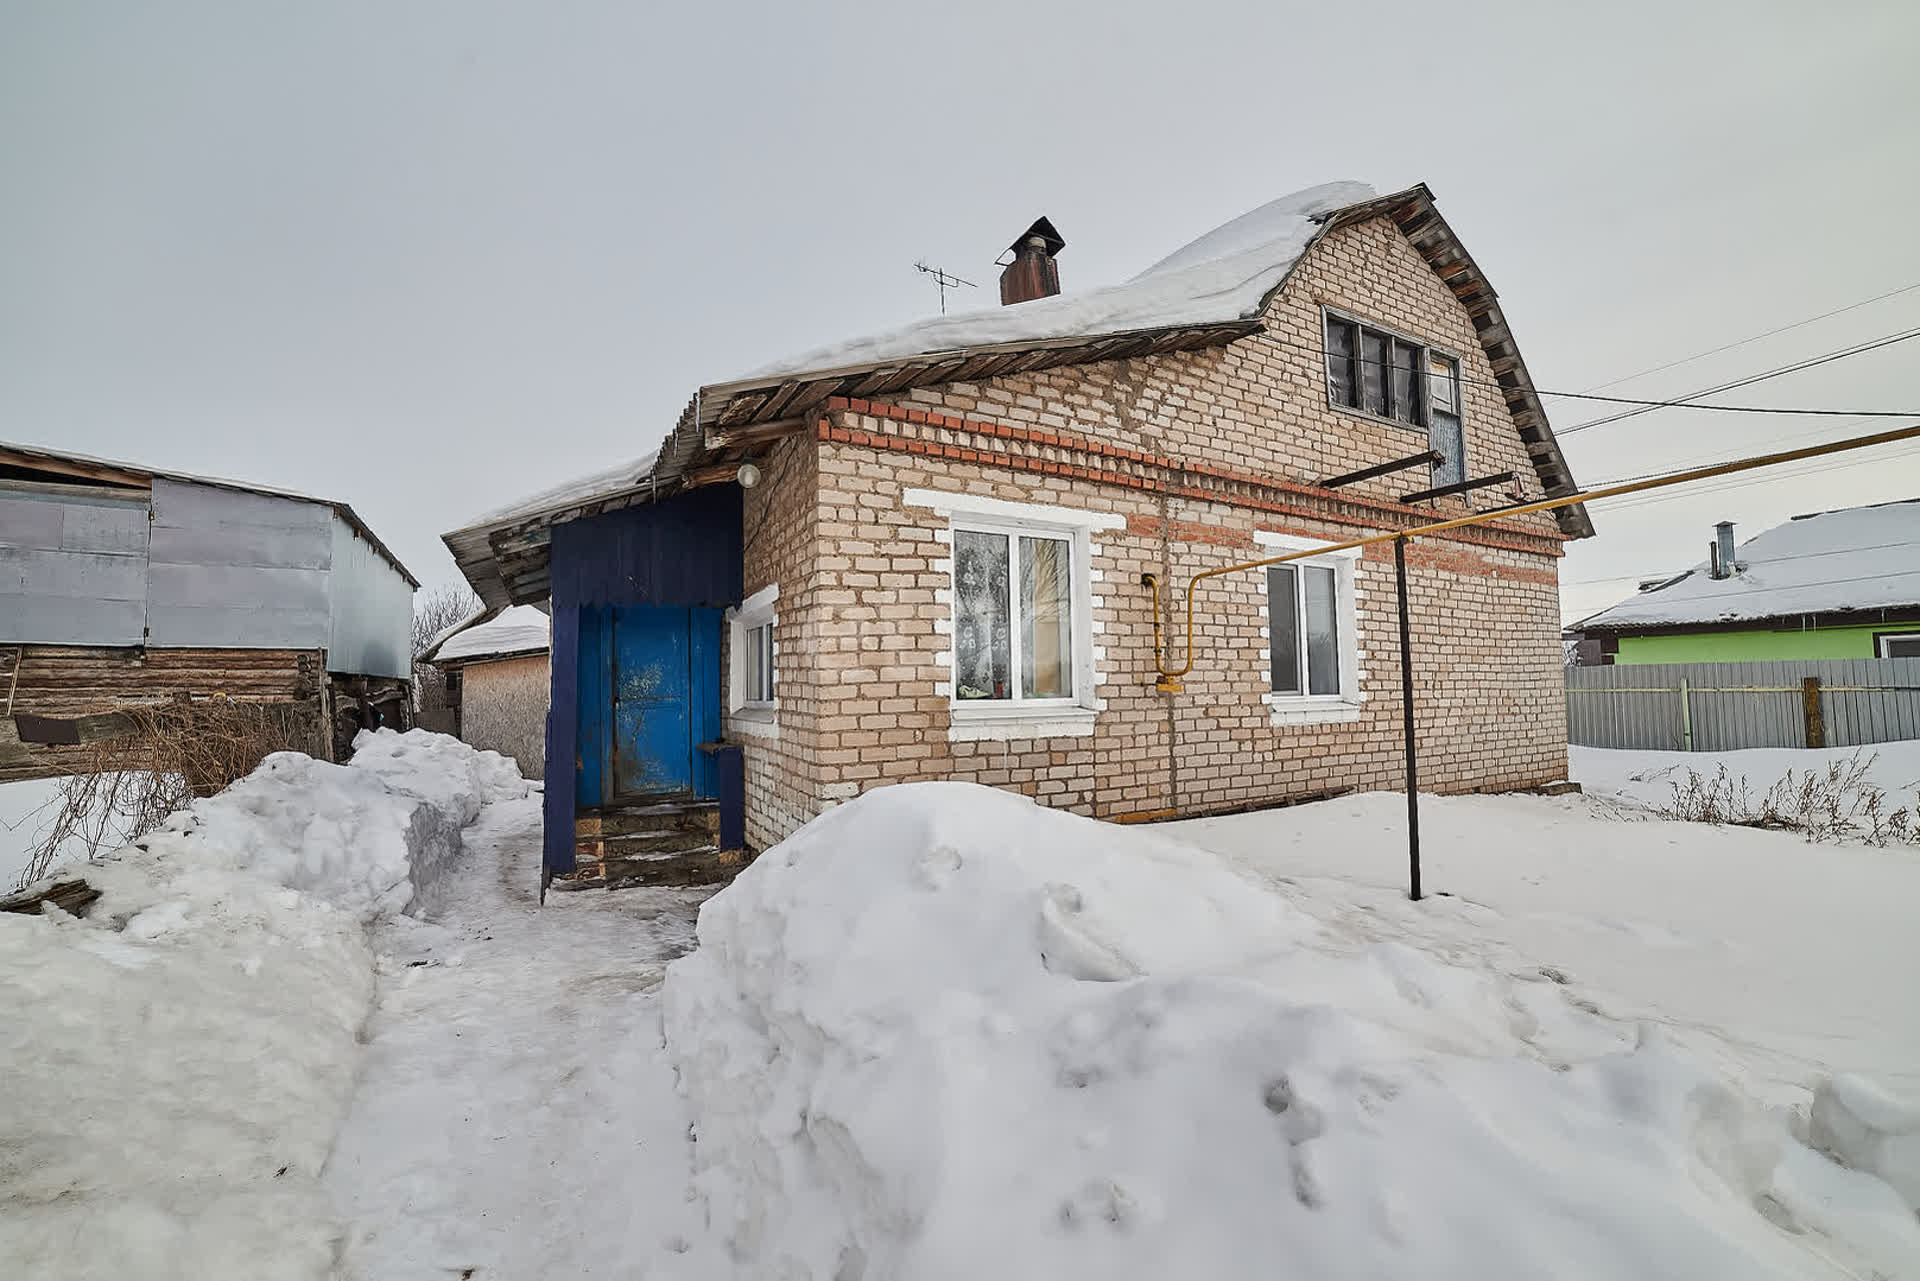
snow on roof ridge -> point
(1220, 276)
(1838, 511)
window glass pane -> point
(1406, 382)
(1443, 384)
(982, 654)
(1046, 618)
(1340, 384)
(1283, 625)
(1374, 350)
(1323, 632)
(760, 664)
(750, 656)
(1900, 646)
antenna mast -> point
(945, 279)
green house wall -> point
(1753, 646)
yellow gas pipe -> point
(1170, 677)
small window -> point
(751, 699)
(1303, 621)
(1898, 644)
(1400, 380)
(1012, 617)
(759, 665)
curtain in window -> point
(1046, 618)
(1340, 382)
(982, 631)
(1374, 353)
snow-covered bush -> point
(944, 1033)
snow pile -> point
(1859, 558)
(178, 1062)
(942, 1032)
(1223, 276)
(370, 837)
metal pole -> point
(1406, 718)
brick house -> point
(920, 555)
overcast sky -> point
(427, 257)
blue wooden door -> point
(653, 742)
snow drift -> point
(178, 1062)
(942, 1032)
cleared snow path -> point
(515, 1116)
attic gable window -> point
(1398, 379)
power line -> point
(1684, 402)
(1715, 351)
(1763, 376)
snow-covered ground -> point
(944, 1033)
(26, 816)
(1645, 779)
(516, 1114)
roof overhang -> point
(506, 561)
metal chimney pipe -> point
(1723, 539)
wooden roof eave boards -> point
(1414, 212)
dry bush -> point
(433, 613)
(1841, 803)
(128, 785)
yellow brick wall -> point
(865, 591)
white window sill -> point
(1289, 709)
(754, 722)
(975, 724)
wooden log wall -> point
(76, 680)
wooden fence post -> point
(1810, 700)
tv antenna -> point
(945, 279)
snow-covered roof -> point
(608, 480)
(1857, 558)
(1208, 293)
(1225, 275)
(519, 629)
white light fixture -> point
(748, 475)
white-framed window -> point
(1312, 632)
(1400, 379)
(1021, 657)
(752, 704)
(1897, 644)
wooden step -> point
(704, 865)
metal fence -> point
(1713, 707)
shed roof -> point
(1208, 293)
(493, 634)
(102, 471)
(1840, 562)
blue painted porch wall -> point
(684, 551)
